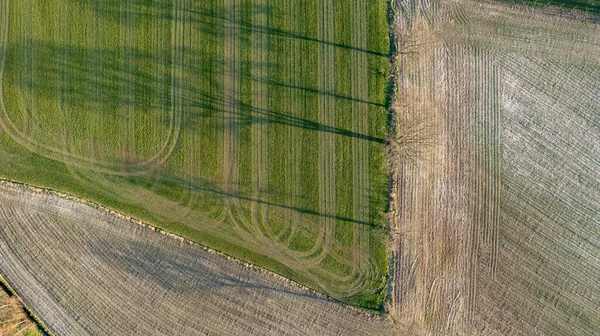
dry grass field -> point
(496, 199)
(86, 271)
(13, 319)
(229, 122)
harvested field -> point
(230, 123)
(496, 200)
(85, 271)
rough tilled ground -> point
(85, 271)
(496, 198)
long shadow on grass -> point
(87, 74)
(320, 92)
(214, 16)
(66, 71)
(207, 187)
(248, 114)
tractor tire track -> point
(231, 98)
(95, 124)
(127, 90)
(327, 157)
(360, 124)
(260, 122)
(327, 182)
(191, 145)
(325, 240)
(294, 109)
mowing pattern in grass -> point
(496, 192)
(253, 127)
(86, 271)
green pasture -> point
(165, 110)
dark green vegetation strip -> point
(202, 117)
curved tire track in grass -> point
(132, 169)
(305, 260)
(321, 255)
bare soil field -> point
(496, 194)
(86, 271)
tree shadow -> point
(247, 114)
(86, 74)
(126, 76)
(178, 271)
(216, 16)
(198, 185)
(98, 76)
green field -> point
(256, 128)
